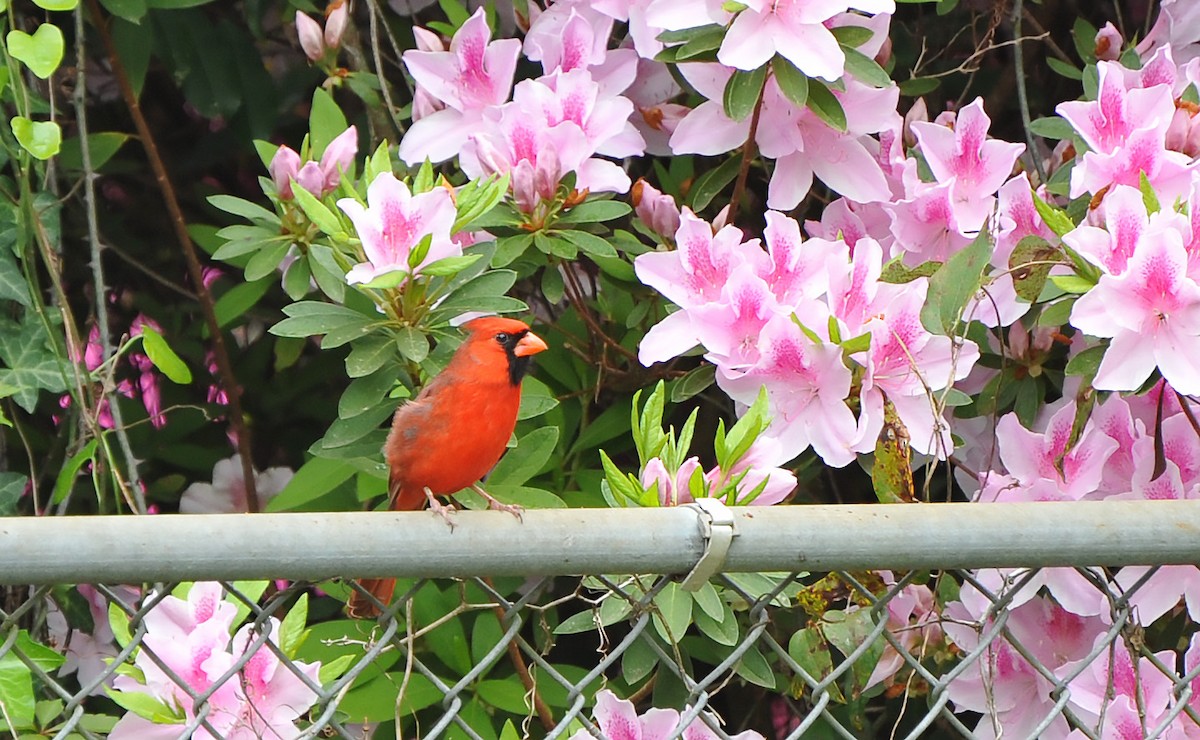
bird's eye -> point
(502, 337)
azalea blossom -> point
(475, 74)
(263, 699)
(1152, 314)
(394, 223)
(619, 720)
(227, 492)
(317, 43)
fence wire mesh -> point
(1077, 652)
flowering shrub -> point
(745, 232)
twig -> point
(100, 287)
(1022, 97)
(749, 152)
(377, 56)
(232, 390)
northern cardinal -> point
(456, 429)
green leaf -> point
(31, 367)
(742, 92)
(70, 469)
(531, 454)
(723, 629)
(1072, 283)
(16, 693)
(292, 628)
(1056, 218)
(1057, 313)
(536, 399)
(306, 318)
(808, 648)
(638, 661)
(326, 121)
(852, 36)
(412, 343)
(792, 82)
(163, 357)
(696, 381)
(101, 146)
(127, 10)
(712, 182)
(1052, 127)
(59, 5)
(244, 208)
(954, 285)
(704, 40)
(1087, 362)
(510, 248)
(42, 139)
(1149, 197)
(12, 488)
(448, 266)
(755, 668)
(239, 299)
(317, 212)
(891, 476)
(1070, 71)
(40, 52)
(865, 69)
(147, 707)
(507, 695)
(846, 631)
(918, 86)
(823, 103)
(12, 281)
(314, 479)
(673, 612)
(330, 276)
(1030, 264)
(590, 244)
(369, 354)
(595, 211)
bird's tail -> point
(361, 606)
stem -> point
(229, 382)
(377, 57)
(1022, 96)
(100, 288)
(749, 152)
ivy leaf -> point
(31, 366)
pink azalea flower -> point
(619, 720)
(1152, 313)
(759, 463)
(729, 328)
(394, 223)
(807, 384)
(913, 621)
(802, 144)
(975, 166)
(1113, 675)
(1162, 591)
(191, 639)
(568, 35)
(475, 74)
(1032, 456)
(690, 276)
(795, 29)
(1108, 43)
(227, 492)
(87, 654)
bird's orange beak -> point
(530, 344)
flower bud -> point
(1108, 43)
(311, 38)
(656, 209)
(337, 15)
(284, 166)
(338, 158)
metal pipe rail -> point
(317, 546)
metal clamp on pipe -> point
(718, 527)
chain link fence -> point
(1104, 648)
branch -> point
(232, 390)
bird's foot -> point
(445, 511)
(495, 505)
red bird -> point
(456, 429)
